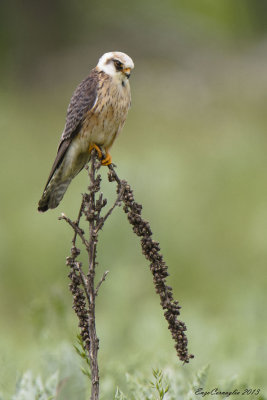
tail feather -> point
(53, 195)
(58, 182)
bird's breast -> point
(104, 122)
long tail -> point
(53, 194)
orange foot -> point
(107, 160)
(99, 152)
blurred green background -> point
(194, 150)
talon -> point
(107, 160)
(99, 152)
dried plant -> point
(83, 286)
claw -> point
(107, 160)
(99, 152)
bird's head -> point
(116, 64)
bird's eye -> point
(118, 65)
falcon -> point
(95, 115)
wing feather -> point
(83, 99)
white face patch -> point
(106, 63)
(108, 67)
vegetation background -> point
(193, 148)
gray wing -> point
(83, 99)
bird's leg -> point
(107, 157)
(107, 160)
(99, 152)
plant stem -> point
(83, 286)
(91, 250)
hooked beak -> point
(127, 72)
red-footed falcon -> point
(96, 114)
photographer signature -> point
(217, 392)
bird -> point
(96, 114)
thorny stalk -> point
(151, 250)
(83, 286)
